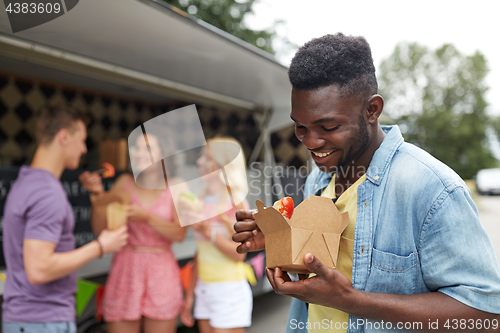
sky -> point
(469, 25)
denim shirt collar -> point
(383, 155)
(378, 165)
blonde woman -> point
(220, 292)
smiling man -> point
(39, 245)
(414, 255)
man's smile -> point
(323, 154)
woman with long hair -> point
(220, 292)
(143, 289)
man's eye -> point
(330, 129)
(299, 126)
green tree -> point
(437, 98)
(228, 15)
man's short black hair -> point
(337, 59)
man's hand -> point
(329, 287)
(92, 182)
(113, 241)
(247, 232)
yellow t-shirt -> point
(322, 318)
(213, 265)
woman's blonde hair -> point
(228, 154)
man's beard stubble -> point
(362, 142)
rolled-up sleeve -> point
(457, 256)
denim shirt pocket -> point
(391, 273)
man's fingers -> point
(241, 226)
(244, 215)
(282, 284)
(246, 247)
(278, 273)
(243, 248)
(270, 277)
(241, 237)
(314, 265)
(122, 229)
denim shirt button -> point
(362, 249)
(376, 178)
(365, 203)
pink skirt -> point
(143, 284)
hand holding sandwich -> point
(112, 241)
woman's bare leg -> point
(124, 326)
(160, 326)
(204, 326)
(228, 330)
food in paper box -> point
(315, 227)
(190, 201)
(116, 215)
(285, 207)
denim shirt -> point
(417, 231)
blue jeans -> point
(57, 327)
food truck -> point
(125, 62)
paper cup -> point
(116, 215)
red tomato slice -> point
(286, 207)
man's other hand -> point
(328, 288)
(113, 240)
(247, 232)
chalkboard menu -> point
(77, 196)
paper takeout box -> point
(315, 227)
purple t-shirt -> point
(37, 208)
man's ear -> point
(62, 136)
(375, 107)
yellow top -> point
(322, 318)
(213, 265)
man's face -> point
(334, 129)
(75, 146)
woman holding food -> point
(143, 290)
(220, 292)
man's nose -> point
(311, 140)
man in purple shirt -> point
(39, 246)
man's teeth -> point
(322, 154)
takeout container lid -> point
(315, 227)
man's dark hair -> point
(54, 118)
(337, 59)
